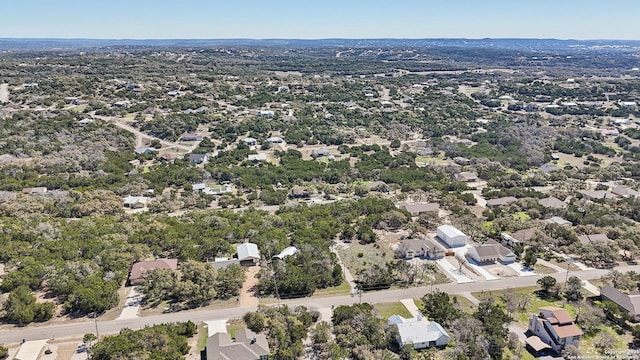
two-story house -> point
(555, 327)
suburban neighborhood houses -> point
(386, 199)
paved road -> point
(79, 328)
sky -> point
(311, 19)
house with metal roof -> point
(288, 251)
(419, 332)
(248, 254)
(451, 236)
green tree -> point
(546, 283)
(4, 352)
(439, 308)
(573, 289)
(21, 307)
(530, 258)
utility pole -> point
(275, 281)
(95, 320)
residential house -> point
(552, 203)
(466, 176)
(624, 191)
(41, 190)
(629, 303)
(275, 140)
(169, 157)
(419, 332)
(461, 161)
(559, 221)
(143, 150)
(218, 190)
(598, 194)
(248, 254)
(320, 152)
(134, 162)
(198, 186)
(250, 141)
(135, 202)
(555, 327)
(85, 121)
(490, 252)
(268, 114)
(288, 251)
(173, 93)
(140, 269)
(416, 209)
(451, 236)
(198, 158)
(421, 248)
(262, 157)
(124, 103)
(299, 193)
(247, 346)
(523, 237)
(501, 201)
(222, 262)
(587, 239)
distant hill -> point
(554, 45)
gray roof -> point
(419, 207)
(624, 191)
(547, 168)
(247, 346)
(248, 251)
(419, 244)
(598, 194)
(524, 235)
(501, 201)
(450, 231)
(502, 250)
(586, 239)
(631, 303)
(552, 202)
(558, 220)
(198, 186)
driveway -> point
(216, 326)
(452, 272)
(132, 305)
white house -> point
(261, 157)
(288, 251)
(419, 332)
(248, 254)
(451, 236)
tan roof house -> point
(139, 270)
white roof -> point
(417, 330)
(198, 186)
(288, 251)
(450, 231)
(248, 251)
(130, 200)
(257, 157)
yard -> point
(521, 317)
(394, 308)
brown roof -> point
(565, 331)
(536, 344)
(562, 315)
(140, 269)
(524, 235)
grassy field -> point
(464, 303)
(521, 215)
(394, 308)
(203, 334)
(541, 269)
(425, 160)
(359, 257)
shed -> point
(451, 236)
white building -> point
(419, 332)
(451, 236)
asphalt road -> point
(78, 328)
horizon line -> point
(313, 39)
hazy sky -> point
(309, 19)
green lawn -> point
(424, 160)
(203, 334)
(521, 215)
(342, 289)
(358, 257)
(541, 269)
(234, 325)
(394, 308)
